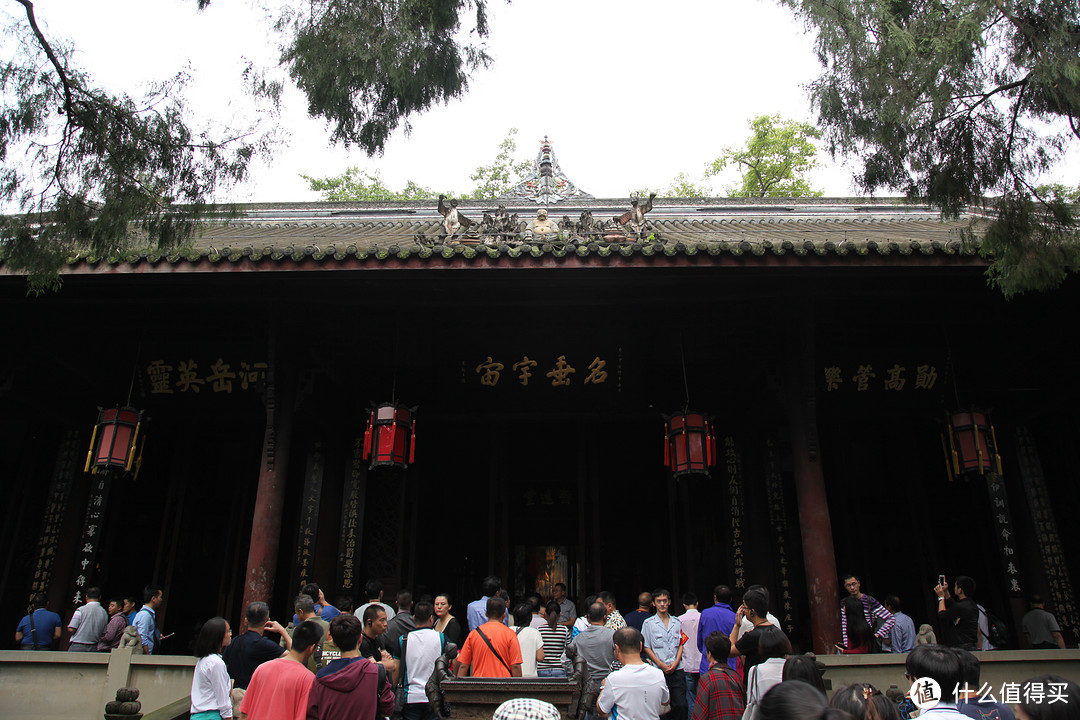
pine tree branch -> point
(60, 71)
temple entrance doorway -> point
(543, 492)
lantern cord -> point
(134, 370)
(393, 379)
(952, 372)
(686, 383)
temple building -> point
(623, 395)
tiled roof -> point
(273, 236)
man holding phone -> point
(959, 617)
(251, 649)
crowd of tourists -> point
(92, 627)
(727, 661)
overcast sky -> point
(631, 93)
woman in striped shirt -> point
(556, 637)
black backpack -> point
(998, 634)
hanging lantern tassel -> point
(710, 446)
(997, 455)
(952, 454)
(367, 436)
(131, 455)
(138, 460)
(667, 448)
(948, 464)
(90, 452)
(978, 445)
(412, 444)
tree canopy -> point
(359, 185)
(775, 160)
(954, 102)
(492, 180)
(82, 164)
(85, 171)
(366, 66)
(501, 175)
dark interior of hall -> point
(534, 481)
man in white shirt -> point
(691, 654)
(529, 639)
(88, 623)
(638, 690)
(422, 647)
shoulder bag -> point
(492, 648)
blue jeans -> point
(418, 711)
(691, 692)
(560, 673)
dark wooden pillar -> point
(594, 577)
(674, 515)
(270, 495)
(819, 556)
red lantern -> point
(390, 435)
(112, 444)
(971, 445)
(689, 445)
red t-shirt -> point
(483, 662)
(278, 691)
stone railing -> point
(476, 698)
(76, 686)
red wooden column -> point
(819, 557)
(270, 495)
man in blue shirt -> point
(662, 635)
(146, 619)
(323, 610)
(131, 609)
(719, 618)
(901, 638)
(38, 629)
(476, 612)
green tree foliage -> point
(367, 65)
(681, 186)
(95, 173)
(360, 185)
(82, 165)
(502, 174)
(955, 101)
(774, 160)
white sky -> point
(631, 93)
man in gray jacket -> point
(596, 645)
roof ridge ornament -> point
(547, 184)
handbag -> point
(750, 713)
(401, 692)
